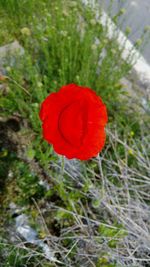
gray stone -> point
(9, 52)
(30, 235)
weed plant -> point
(91, 213)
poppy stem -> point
(24, 89)
(62, 164)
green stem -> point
(62, 165)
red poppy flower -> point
(73, 122)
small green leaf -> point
(30, 153)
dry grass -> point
(110, 204)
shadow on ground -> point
(8, 148)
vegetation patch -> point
(89, 213)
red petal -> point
(49, 114)
(72, 123)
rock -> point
(8, 54)
(30, 235)
(24, 229)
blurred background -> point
(137, 18)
